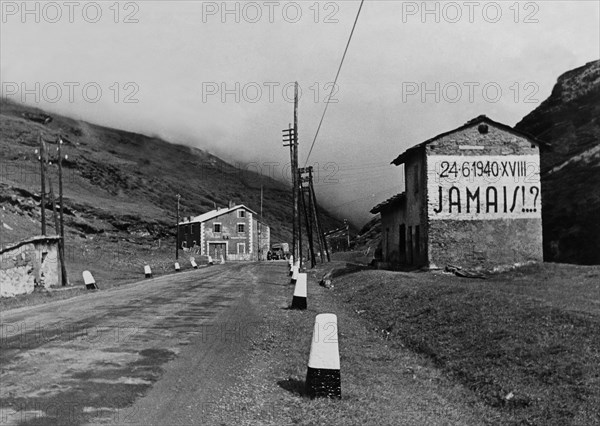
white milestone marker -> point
(88, 280)
(294, 274)
(299, 300)
(323, 376)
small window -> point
(216, 227)
(241, 228)
(241, 213)
(241, 248)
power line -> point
(335, 81)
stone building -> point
(236, 233)
(29, 264)
(472, 199)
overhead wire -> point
(334, 82)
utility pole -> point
(42, 158)
(61, 251)
(290, 138)
(317, 217)
(177, 230)
(307, 217)
(311, 212)
(295, 174)
(318, 228)
(60, 189)
(260, 239)
(65, 280)
(61, 247)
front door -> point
(216, 250)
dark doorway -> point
(402, 244)
(216, 250)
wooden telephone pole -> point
(319, 228)
(65, 279)
(61, 245)
(290, 138)
(311, 215)
(177, 230)
(307, 216)
(42, 158)
(59, 224)
(260, 237)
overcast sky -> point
(215, 78)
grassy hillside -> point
(120, 189)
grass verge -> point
(525, 342)
(381, 383)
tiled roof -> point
(396, 199)
(215, 213)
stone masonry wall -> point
(483, 199)
(33, 263)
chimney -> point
(231, 204)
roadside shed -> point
(28, 264)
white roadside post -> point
(295, 272)
(323, 376)
(177, 267)
(89, 281)
(147, 271)
(299, 300)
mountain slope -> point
(122, 186)
(570, 121)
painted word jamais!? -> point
(490, 199)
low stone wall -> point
(29, 264)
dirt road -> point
(103, 358)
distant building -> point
(235, 233)
(472, 199)
(338, 239)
